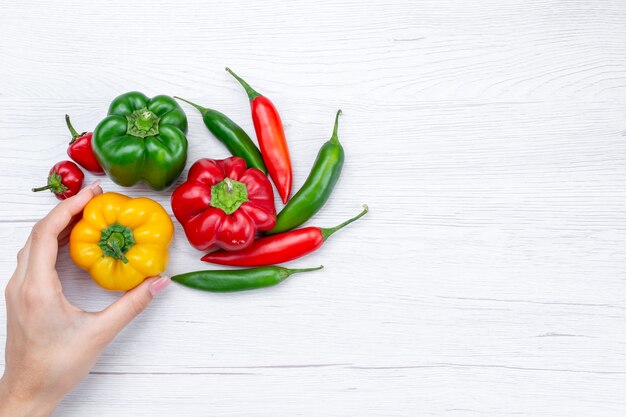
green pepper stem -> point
(326, 232)
(46, 187)
(142, 123)
(297, 270)
(252, 93)
(197, 106)
(286, 272)
(145, 120)
(334, 139)
(73, 131)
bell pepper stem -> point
(252, 93)
(142, 123)
(228, 195)
(73, 131)
(115, 247)
(197, 106)
(327, 232)
(334, 139)
(46, 187)
(116, 240)
(145, 120)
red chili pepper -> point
(80, 149)
(279, 248)
(223, 203)
(271, 136)
(64, 180)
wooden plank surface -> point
(488, 139)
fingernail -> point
(90, 187)
(159, 285)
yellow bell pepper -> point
(121, 240)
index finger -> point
(44, 236)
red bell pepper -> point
(279, 248)
(64, 180)
(80, 149)
(271, 136)
(223, 204)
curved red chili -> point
(279, 248)
(64, 180)
(80, 150)
(271, 137)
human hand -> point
(51, 344)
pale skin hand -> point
(51, 344)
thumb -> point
(119, 314)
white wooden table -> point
(488, 139)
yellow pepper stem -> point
(116, 240)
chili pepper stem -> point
(73, 131)
(252, 94)
(197, 106)
(46, 187)
(55, 184)
(295, 271)
(334, 139)
(328, 231)
(287, 272)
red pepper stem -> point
(55, 184)
(334, 139)
(252, 94)
(197, 106)
(326, 232)
(73, 131)
(46, 187)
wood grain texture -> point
(488, 139)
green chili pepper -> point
(232, 135)
(317, 187)
(142, 139)
(237, 280)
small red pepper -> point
(279, 248)
(223, 203)
(80, 149)
(64, 180)
(271, 136)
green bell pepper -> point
(142, 139)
